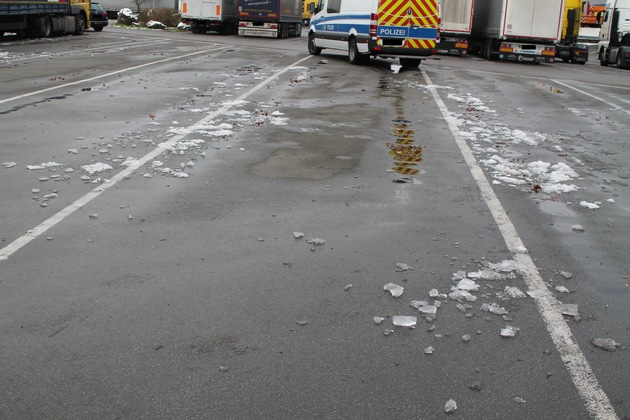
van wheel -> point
(312, 48)
(354, 56)
(410, 62)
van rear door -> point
(408, 24)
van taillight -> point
(373, 24)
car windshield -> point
(96, 7)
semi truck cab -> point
(614, 34)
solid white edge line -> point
(617, 107)
(34, 233)
(595, 399)
(77, 82)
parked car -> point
(98, 17)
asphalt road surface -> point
(206, 227)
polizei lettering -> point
(401, 32)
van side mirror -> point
(598, 18)
(311, 8)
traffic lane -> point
(207, 273)
(585, 134)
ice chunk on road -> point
(460, 295)
(562, 289)
(9, 165)
(378, 320)
(493, 308)
(450, 406)
(402, 267)
(315, 241)
(96, 168)
(429, 350)
(607, 344)
(468, 285)
(514, 292)
(394, 289)
(588, 205)
(404, 321)
(509, 331)
(569, 309)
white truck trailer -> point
(455, 27)
(517, 30)
(210, 15)
(614, 34)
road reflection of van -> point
(403, 29)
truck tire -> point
(602, 58)
(354, 56)
(312, 48)
(410, 62)
(40, 27)
(79, 24)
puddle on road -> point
(406, 154)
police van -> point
(403, 29)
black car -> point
(98, 17)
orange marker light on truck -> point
(185, 7)
(218, 10)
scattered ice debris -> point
(93, 216)
(348, 287)
(493, 308)
(298, 235)
(588, 205)
(224, 368)
(450, 406)
(566, 274)
(96, 168)
(394, 289)
(387, 332)
(607, 344)
(434, 293)
(467, 285)
(35, 190)
(578, 228)
(508, 331)
(429, 350)
(301, 323)
(9, 165)
(35, 167)
(404, 321)
(519, 400)
(569, 309)
(402, 267)
(610, 200)
(562, 289)
(378, 320)
(460, 295)
(424, 307)
(315, 241)
(466, 338)
(514, 292)
(154, 24)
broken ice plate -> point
(394, 289)
(508, 331)
(404, 321)
(569, 309)
(402, 267)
